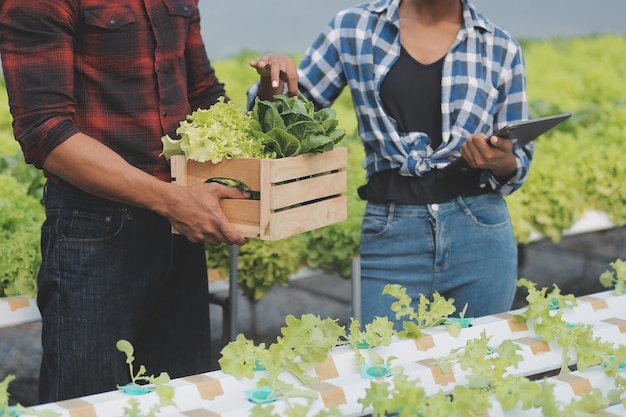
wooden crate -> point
(298, 194)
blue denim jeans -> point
(463, 249)
(110, 272)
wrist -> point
(503, 175)
(162, 197)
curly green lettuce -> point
(222, 131)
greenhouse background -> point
(290, 25)
(574, 260)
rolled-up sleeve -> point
(514, 107)
(37, 60)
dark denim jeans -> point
(112, 272)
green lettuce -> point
(222, 131)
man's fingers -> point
(224, 191)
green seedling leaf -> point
(18, 409)
(429, 313)
(615, 278)
(240, 357)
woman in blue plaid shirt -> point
(430, 80)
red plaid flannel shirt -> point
(125, 73)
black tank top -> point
(411, 94)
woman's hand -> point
(276, 69)
(492, 153)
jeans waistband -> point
(66, 195)
(458, 203)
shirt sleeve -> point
(37, 59)
(514, 107)
(322, 76)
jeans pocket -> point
(375, 220)
(488, 210)
(90, 224)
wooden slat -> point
(265, 219)
(305, 218)
(240, 169)
(286, 169)
(244, 215)
(289, 194)
(178, 167)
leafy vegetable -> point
(615, 278)
(261, 264)
(222, 131)
(291, 126)
(18, 409)
(428, 314)
(304, 344)
(164, 391)
(376, 333)
(21, 217)
(287, 127)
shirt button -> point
(164, 114)
(435, 207)
(112, 21)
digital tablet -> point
(520, 132)
(524, 132)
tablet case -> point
(520, 132)
(524, 132)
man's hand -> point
(276, 69)
(198, 215)
(492, 153)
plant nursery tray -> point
(341, 383)
(297, 194)
(18, 310)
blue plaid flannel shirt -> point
(483, 87)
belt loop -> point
(45, 192)
(391, 210)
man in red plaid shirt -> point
(93, 86)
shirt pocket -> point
(180, 8)
(110, 17)
(110, 36)
(173, 33)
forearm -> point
(95, 168)
(194, 211)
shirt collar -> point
(389, 7)
(473, 20)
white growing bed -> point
(341, 384)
